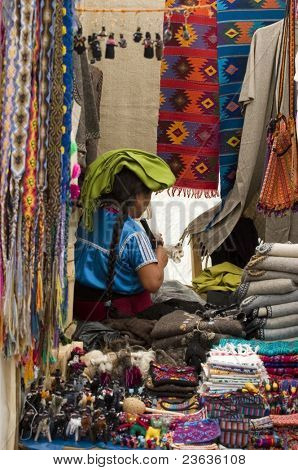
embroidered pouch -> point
(163, 374)
(197, 432)
(235, 404)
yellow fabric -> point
(221, 277)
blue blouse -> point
(92, 254)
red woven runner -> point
(189, 112)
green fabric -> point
(221, 277)
(99, 179)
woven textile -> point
(162, 374)
(189, 115)
(269, 349)
(36, 99)
(196, 432)
(234, 432)
(237, 22)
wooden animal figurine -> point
(43, 428)
(141, 441)
(28, 425)
(86, 428)
(56, 403)
(164, 443)
(73, 427)
(99, 427)
(58, 426)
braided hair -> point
(125, 189)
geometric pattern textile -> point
(188, 126)
(237, 22)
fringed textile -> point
(36, 99)
(188, 126)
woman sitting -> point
(116, 266)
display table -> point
(59, 444)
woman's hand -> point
(152, 275)
(162, 256)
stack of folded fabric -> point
(176, 329)
(269, 293)
(280, 358)
(171, 381)
(287, 429)
(229, 369)
(281, 365)
(263, 434)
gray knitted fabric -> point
(255, 275)
(250, 303)
(280, 286)
(286, 250)
(276, 311)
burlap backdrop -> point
(130, 96)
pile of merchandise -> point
(97, 402)
(229, 369)
(127, 399)
(281, 389)
(259, 414)
(269, 293)
(230, 392)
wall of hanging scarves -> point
(36, 101)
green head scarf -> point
(151, 169)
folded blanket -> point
(277, 334)
(171, 375)
(272, 323)
(169, 394)
(136, 329)
(285, 420)
(173, 324)
(273, 263)
(281, 348)
(282, 365)
(282, 286)
(221, 277)
(257, 275)
(280, 358)
(172, 342)
(282, 322)
(169, 388)
(252, 302)
(293, 372)
(287, 250)
(276, 311)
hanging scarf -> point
(280, 185)
(2, 51)
(47, 8)
(152, 171)
(66, 149)
(53, 207)
(9, 95)
(30, 185)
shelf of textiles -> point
(269, 297)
